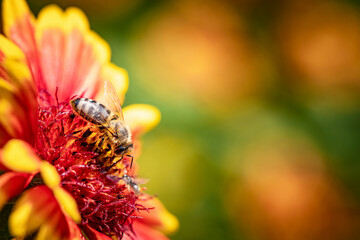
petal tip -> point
(19, 156)
(50, 175)
(13, 11)
(101, 47)
(118, 76)
(67, 203)
(142, 117)
(76, 18)
(171, 223)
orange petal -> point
(19, 27)
(37, 209)
(72, 55)
(75, 232)
(18, 105)
(93, 234)
(19, 156)
(14, 12)
(52, 180)
(12, 184)
(47, 230)
(18, 110)
(141, 117)
(144, 232)
(9, 117)
(158, 216)
(8, 50)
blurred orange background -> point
(260, 131)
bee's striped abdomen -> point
(91, 110)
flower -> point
(48, 154)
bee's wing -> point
(141, 180)
(111, 100)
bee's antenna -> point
(108, 168)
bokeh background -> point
(260, 102)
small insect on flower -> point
(131, 183)
(108, 119)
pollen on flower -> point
(104, 200)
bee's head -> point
(123, 149)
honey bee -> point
(109, 119)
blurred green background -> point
(260, 130)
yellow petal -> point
(17, 71)
(19, 218)
(8, 107)
(68, 203)
(38, 209)
(10, 50)
(100, 46)
(76, 19)
(43, 232)
(50, 175)
(24, 219)
(159, 217)
(118, 77)
(13, 12)
(14, 64)
(170, 222)
(141, 117)
(50, 16)
(19, 156)
(53, 17)
(48, 229)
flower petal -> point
(75, 232)
(37, 209)
(93, 234)
(118, 77)
(141, 117)
(46, 231)
(68, 203)
(50, 175)
(10, 50)
(12, 184)
(18, 110)
(9, 117)
(72, 54)
(14, 12)
(158, 216)
(19, 27)
(19, 156)
(144, 232)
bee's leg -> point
(102, 127)
(132, 159)
(86, 132)
(109, 167)
(113, 147)
(99, 144)
(110, 149)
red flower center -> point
(105, 200)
